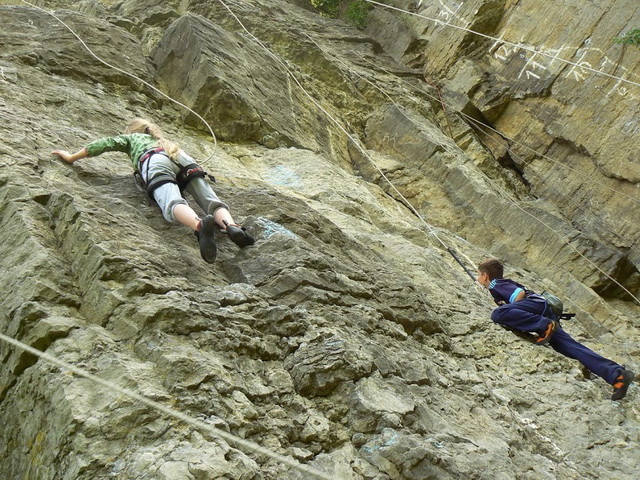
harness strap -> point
(151, 185)
(157, 182)
(185, 175)
(149, 153)
(188, 173)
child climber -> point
(522, 310)
(165, 170)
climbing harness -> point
(184, 176)
(189, 172)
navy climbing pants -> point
(532, 315)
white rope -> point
(592, 217)
(513, 141)
(507, 197)
(131, 75)
(523, 47)
(337, 123)
(246, 445)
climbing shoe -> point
(621, 384)
(239, 236)
(548, 333)
(206, 240)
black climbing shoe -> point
(240, 236)
(206, 240)
(621, 384)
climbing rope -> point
(131, 75)
(351, 138)
(508, 197)
(501, 40)
(483, 127)
(245, 445)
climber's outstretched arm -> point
(70, 158)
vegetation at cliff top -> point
(353, 11)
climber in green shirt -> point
(134, 144)
(166, 170)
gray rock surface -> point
(347, 338)
(563, 97)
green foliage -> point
(632, 37)
(328, 7)
(354, 11)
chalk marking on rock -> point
(270, 228)
(447, 13)
(246, 445)
(512, 44)
(505, 195)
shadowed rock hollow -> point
(347, 338)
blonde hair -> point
(140, 125)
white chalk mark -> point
(496, 43)
(505, 51)
(578, 76)
(528, 70)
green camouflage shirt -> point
(133, 144)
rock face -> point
(347, 338)
(558, 106)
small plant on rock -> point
(632, 37)
(354, 11)
(357, 12)
(328, 7)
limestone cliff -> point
(347, 338)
